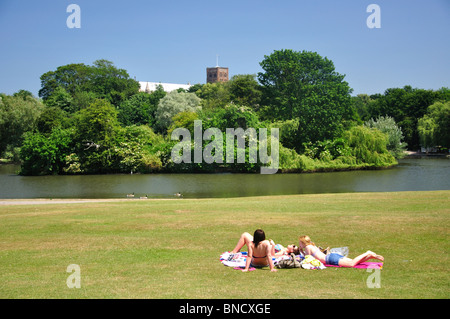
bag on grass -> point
(292, 262)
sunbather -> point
(259, 250)
(309, 248)
(277, 250)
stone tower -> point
(216, 74)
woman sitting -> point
(259, 250)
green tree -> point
(361, 103)
(137, 110)
(140, 150)
(194, 88)
(141, 108)
(406, 106)
(24, 94)
(50, 118)
(172, 104)
(103, 79)
(97, 133)
(245, 90)
(231, 116)
(60, 98)
(97, 123)
(427, 132)
(18, 114)
(72, 77)
(111, 83)
(306, 86)
(288, 132)
(45, 154)
(183, 120)
(82, 99)
(214, 95)
(387, 125)
(434, 126)
(368, 146)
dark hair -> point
(258, 237)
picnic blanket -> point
(237, 260)
(364, 265)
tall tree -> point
(45, 154)
(306, 86)
(406, 105)
(214, 95)
(141, 108)
(71, 77)
(97, 134)
(112, 83)
(103, 79)
(434, 126)
(60, 98)
(18, 114)
(245, 90)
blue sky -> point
(175, 41)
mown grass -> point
(171, 248)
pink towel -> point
(375, 265)
(240, 268)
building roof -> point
(168, 87)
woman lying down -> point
(261, 251)
(307, 247)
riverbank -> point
(44, 201)
(419, 155)
(409, 175)
(170, 248)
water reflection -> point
(409, 175)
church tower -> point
(216, 74)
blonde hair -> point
(305, 240)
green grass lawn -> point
(171, 248)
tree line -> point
(93, 119)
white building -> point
(168, 87)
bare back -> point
(261, 253)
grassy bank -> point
(171, 248)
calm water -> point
(409, 175)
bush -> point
(368, 146)
(434, 127)
(18, 115)
(172, 104)
(387, 125)
(361, 147)
(43, 154)
(230, 116)
(139, 150)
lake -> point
(410, 175)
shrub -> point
(368, 146)
(42, 154)
(387, 125)
(172, 104)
